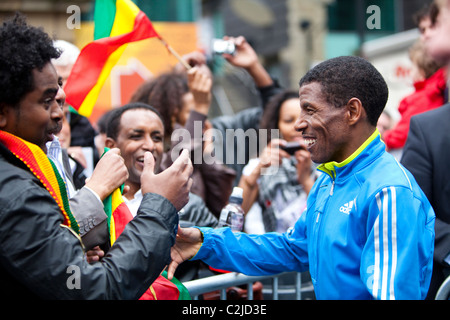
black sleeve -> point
(48, 259)
(418, 159)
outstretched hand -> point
(187, 244)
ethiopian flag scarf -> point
(45, 170)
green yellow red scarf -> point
(45, 170)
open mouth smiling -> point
(140, 160)
(309, 142)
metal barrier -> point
(223, 281)
(444, 290)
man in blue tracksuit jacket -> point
(368, 230)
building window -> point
(349, 15)
(168, 10)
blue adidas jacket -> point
(367, 233)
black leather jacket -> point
(41, 258)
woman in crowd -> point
(277, 183)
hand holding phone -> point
(292, 147)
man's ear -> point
(110, 143)
(3, 115)
(355, 111)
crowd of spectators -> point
(340, 206)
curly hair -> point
(271, 115)
(164, 93)
(23, 48)
(347, 77)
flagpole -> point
(175, 54)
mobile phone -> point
(220, 46)
(292, 147)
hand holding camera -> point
(220, 46)
(245, 57)
(292, 147)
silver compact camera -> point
(221, 46)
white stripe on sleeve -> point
(387, 204)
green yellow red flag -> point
(117, 23)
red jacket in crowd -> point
(429, 95)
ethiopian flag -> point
(118, 215)
(117, 23)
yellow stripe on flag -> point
(116, 200)
(126, 13)
(96, 60)
(124, 20)
(112, 231)
(91, 98)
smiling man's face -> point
(323, 125)
(140, 130)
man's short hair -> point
(114, 116)
(347, 77)
(23, 48)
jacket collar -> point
(371, 148)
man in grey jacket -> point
(39, 255)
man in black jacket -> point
(427, 153)
(40, 252)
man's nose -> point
(57, 113)
(60, 97)
(300, 125)
(148, 145)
